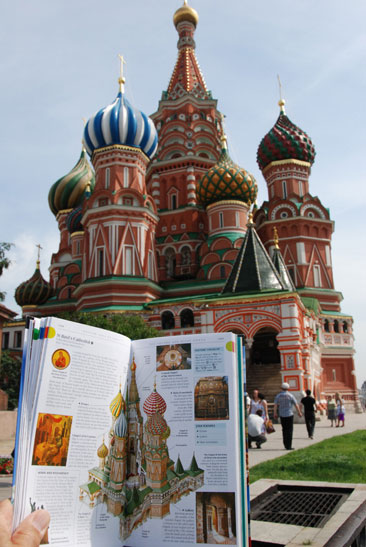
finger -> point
(6, 517)
(30, 532)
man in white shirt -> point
(256, 429)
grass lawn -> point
(340, 459)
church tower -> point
(119, 218)
(285, 156)
(189, 128)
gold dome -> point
(185, 13)
(102, 451)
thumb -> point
(31, 530)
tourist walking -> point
(340, 410)
(309, 405)
(283, 407)
(331, 410)
(256, 429)
(259, 402)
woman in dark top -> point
(309, 405)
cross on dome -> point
(281, 102)
(121, 79)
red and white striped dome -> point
(154, 403)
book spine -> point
(27, 331)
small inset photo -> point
(61, 359)
(52, 439)
(211, 398)
(215, 518)
(173, 357)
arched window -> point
(170, 262)
(186, 256)
(326, 325)
(167, 320)
(345, 326)
(336, 326)
(186, 318)
(174, 201)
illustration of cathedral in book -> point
(136, 478)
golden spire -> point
(250, 219)
(223, 137)
(275, 237)
(281, 102)
(121, 79)
(38, 255)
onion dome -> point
(117, 404)
(68, 192)
(156, 425)
(35, 291)
(185, 13)
(102, 451)
(120, 429)
(73, 220)
(285, 141)
(226, 180)
(121, 123)
(154, 403)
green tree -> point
(4, 262)
(132, 326)
(10, 368)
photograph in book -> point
(211, 398)
(215, 518)
(61, 359)
(52, 439)
(136, 478)
(173, 357)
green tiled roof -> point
(253, 269)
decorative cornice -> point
(284, 162)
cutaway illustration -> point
(136, 478)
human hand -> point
(29, 532)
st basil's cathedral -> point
(164, 224)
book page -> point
(171, 471)
(82, 371)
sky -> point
(59, 63)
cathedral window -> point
(167, 320)
(237, 219)
(170, 262)
(103, 202)
(107, 177)
(284, 214)
(186, 318)
(284, 189)
(129, 269)
(125, 177)
(326, 325)
(334, 375)
(174, 201)
(300, 248)
(100, 262)
(186, 256)
(221, 220)
(317, 276)
(336, 326)
(301, 193)
(345, 326)
(291, 271)
(328, 256)
(150, 265)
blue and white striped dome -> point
(120, 123)
(120, 428)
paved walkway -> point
(273, 448)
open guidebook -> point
(131, 443)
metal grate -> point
(302, 507)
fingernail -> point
(41, 520)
